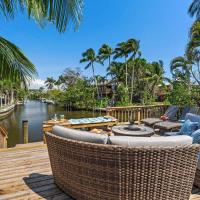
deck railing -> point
(136, 113)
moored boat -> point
(5, 111)
(49, 101)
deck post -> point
(139, 116)
(25, 131)
(3, 137)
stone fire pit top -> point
(133, 130)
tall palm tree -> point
(49, 83)
(13, 63)
(105, 52)
(122, 51)
(133, 46)
(90, 57)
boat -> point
(49, 101)
(20, 103)
(5, 111)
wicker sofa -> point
(111, 172)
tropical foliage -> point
(14, 66)
(130, 77)
(133, 81)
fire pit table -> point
(133, 130)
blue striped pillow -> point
(196, 137)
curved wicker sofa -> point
(109, 172)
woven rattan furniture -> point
(197, 175)
(108, 172)
(197, 178)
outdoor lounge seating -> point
(189, 116)
(170, 114)
(171, 125)
(186, 110)
(144, 170)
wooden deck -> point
(25, 174)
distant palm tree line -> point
(134, 75)
(132, 71)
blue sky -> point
(161, 26)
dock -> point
(25, 174)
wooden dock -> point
(25, 174)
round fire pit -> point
(133, 130)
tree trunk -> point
(132, 81)
(126, 72)
(195, 77)
(12, 97)
(96, 83)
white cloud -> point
(36, 84)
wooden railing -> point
(136, 113)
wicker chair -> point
(197, 178)
(108, 172)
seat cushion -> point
(188, 127)
(150, 141)
(79, 135)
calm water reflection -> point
(35, 112)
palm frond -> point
(60, 12)
(88, 65)
(194, 9)
(14, 65)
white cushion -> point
(84, 136)
(150, 141)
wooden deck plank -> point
(25, 174)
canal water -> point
(35, 112)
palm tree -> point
(41, 89)
(49, 83)
(105, 52)
(122, 51)
(59, 12)
(133, 46)
(157, 74)
(13, 63)
(194, 36)
(181, 65)
(194, 9)
(90, 57)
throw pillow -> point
(196, 137)
(188, 127)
